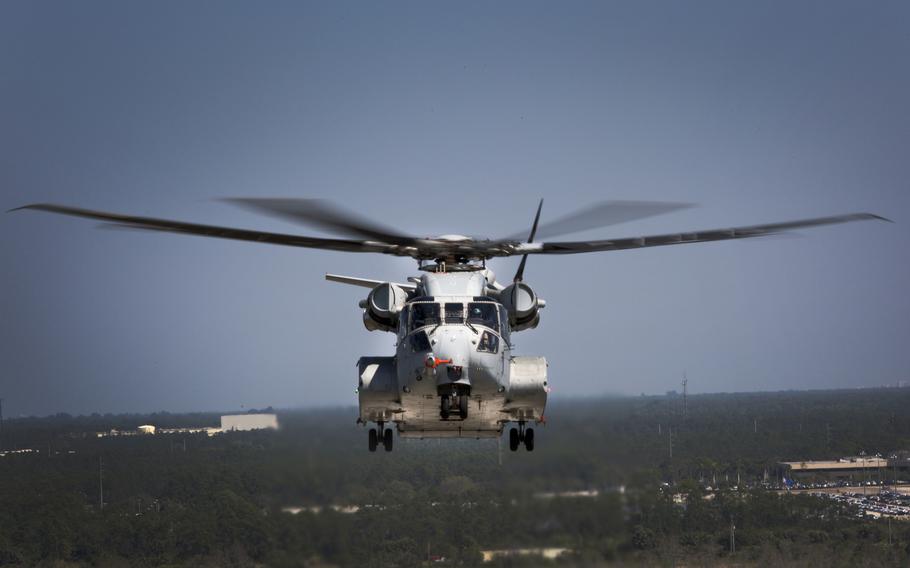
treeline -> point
(219, 501)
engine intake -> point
(522, 304)
(382, 306)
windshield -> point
(483, 314)
(454, 313)
(424, 314)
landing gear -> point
(374, 439)
(445, 406)
(383, 435)
(463, 406)
(520, 435)
(387, 440)
(454, 399)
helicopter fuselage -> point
(454, 373)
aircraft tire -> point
(444, 406)
(373, 439)
(387, 440)
(529, 439)
(513, 439)
(463, 406)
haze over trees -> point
(219, 502)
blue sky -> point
(441, 118)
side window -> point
(403, 321)
(504, 318)
(454, 313)
(419, 342)
(488, 342)
(483, 314)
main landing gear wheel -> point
(374, 439)
(519, 436)
(463, 406)
(445, 406)
(387, 440)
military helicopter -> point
(453, 373)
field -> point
(601, 484)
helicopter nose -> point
(450, 356)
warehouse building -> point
(243, 422)
(859, 468)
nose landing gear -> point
(520, 435)
(445, 406)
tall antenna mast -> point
(685, 383)
(1, 424)
(101, 482)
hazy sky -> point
(439, 118)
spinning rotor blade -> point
(520, 273)
(604, 214)
(325, 215)
(693, 237)
(153, 224)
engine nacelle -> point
(522, 304)
(382, 306)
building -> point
(860, 469)
(146, 429)
(240, 422)
(547, 553)
(208, 430)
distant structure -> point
(861, 467)
(241, 422)
(685, 386)
(547, 553)
(229, 423)
(843, 464)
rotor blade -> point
(693, 237)
(153, 224)
(325, 215)
(604, 214)
(520, 273)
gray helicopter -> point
(453, 374)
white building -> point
(146, 429)
(230, 422)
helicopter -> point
(454, 373)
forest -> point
(646, 464)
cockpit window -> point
(489, 343)
(504, 318)
(483, 314)
(403, 318)
(454, 313)
(419, 342)
(424, 314)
